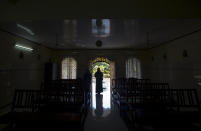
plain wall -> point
(176, 69)
(16, 72)
(83, 58)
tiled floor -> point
(104, 115)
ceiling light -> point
(23, 47)
(25, 28)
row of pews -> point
(58, 105)
(145, 105)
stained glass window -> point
(101, 59)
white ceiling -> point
(124, 33)
(49, 21)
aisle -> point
(104, 115)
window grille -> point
(133, 69)
(69, 68)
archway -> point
(105, 66)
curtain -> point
(133, 69)
(69, 68)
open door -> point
(112, 72)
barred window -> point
(133, 69)
(69, 68)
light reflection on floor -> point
(104, 114)
(101, 104)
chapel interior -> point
(148, 51)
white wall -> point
(27, 73)
(19, 73)
(179, 71)
(84, 56)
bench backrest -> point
(179, 99)
(32, 100)
(26, 100)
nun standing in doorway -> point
(99, 79)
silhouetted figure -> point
(99, 105)
(99, 79)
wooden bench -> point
(127, 88)
(61, 108)
(164, 109)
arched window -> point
(133, 69)
(69, 68)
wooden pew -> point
(67, 84)
(121, 91)
(164, 109)
(62, 107)
(127, 88)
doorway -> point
(102, 102)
